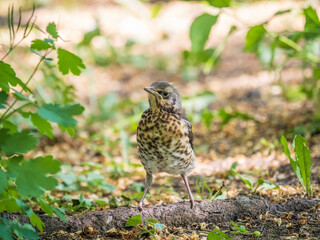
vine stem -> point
(3, 117)
(17, 109)
(11, 48)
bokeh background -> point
(239, 99)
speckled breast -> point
(163, 143)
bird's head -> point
(162, 95)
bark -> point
(177, 214)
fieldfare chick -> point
(165, 138)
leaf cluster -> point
(71, 204)
(91, 178)
(24, 181)
(217, 234)
(298, 44)
(10, 228)
(276, 49)
(149, 227)
(199, 55)
(224, 116)
(212, 194)
(301, 165)
(260, 184)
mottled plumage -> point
(164, 135)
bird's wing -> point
(190, 133)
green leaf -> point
(247, 181)
(302, 165)
(233, 166)
(260, 182)
(3, 136)
(207, 117)
(316, 72)
(8, 76)
(286, 150)
(81, 202)
(253, 38)
(288, 43)
(134, 221)
(69, 62)
(293, 163)
(59, 212)
(219, 3)
(67, 178)
(10, 126)
(7, 199)
(240, 228)
(282, 12)
(159, 226)
(256, 233)
(42, 125)
(302, 153)
(101, 202)
(87, 38)
(265, 184)
(216, 234)
(3, 180)
(70, 130)
(45, 207)
(9, 205)
(5, 229)
(226, 117)
(151, 220)
(155, 9)
(95, 180)
(50, 210)
(61, 115)
(52, 29)
(49, 41)
(38, 44)
(199, 31)
(20, 142)
(31, 175)
(12, 164)
(26, 230)
(19, 96)
(312, 24)
(36, 221)
(3, 99)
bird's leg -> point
(147, 185)
(184, 177)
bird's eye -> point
(165, 94)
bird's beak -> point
(151, 91)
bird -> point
(165, 137)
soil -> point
(239, 82)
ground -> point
(240, 84)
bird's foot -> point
(140, 206)
(192, 202)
